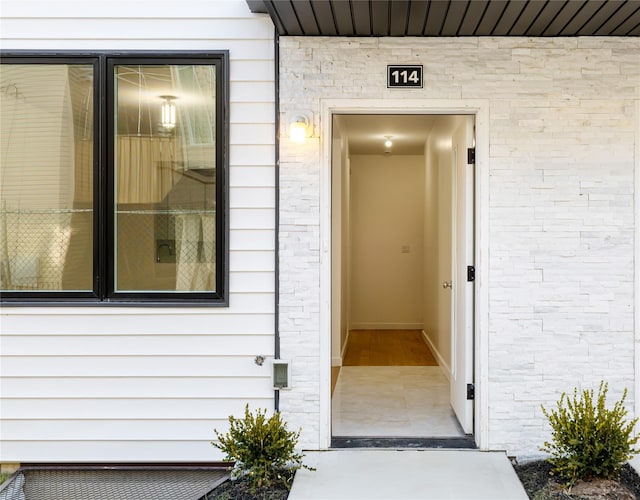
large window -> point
(112, 178)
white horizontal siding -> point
(239, 49)
(136, 29)
(252, 197)
(249, 71)
(250, 218)
(119, 408)
(252, 112)
(111, 450)
(134, 345)
(117, 321)
(254, 261)
(254, 175)
(123, 9)
(252, 91)
(254, 281)
(144, 384)
(248, 155)
(121, 429)
(251, 239)
(251, 133)
(132, 366)
(173, 389)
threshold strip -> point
(465, 442)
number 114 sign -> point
(404, 76)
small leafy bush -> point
(589, 440)
(263, 449)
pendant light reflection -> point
(168, 111)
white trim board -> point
(477, 107)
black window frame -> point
(103, 293)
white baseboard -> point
(343, 348)
(444, 366)
(387, 326)
(337, 360)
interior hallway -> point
(391, 386)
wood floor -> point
(387, 348)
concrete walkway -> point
(407, 474)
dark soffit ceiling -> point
(533, 18)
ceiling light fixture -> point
(168, 111)
(388, 143)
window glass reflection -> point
(165, 235)
(46, 177)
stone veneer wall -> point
(562, 120)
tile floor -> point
(393, 401)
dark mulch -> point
(540, 484)
(239, 489)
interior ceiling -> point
(139, 89)
(452, 17)
(366, 134)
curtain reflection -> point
(146, 169)
(195, 237)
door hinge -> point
(471, 273)
(471, 391)
(471, 156)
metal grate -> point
(114, 484)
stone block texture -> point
(562, 129)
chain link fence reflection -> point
(46, 249)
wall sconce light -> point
(168, 111)
(299, 129)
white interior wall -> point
(345, 278)
(430, 250)
(387, 227)
(338, 258)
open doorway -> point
(402, 304)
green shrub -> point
(263, 449)
(588, 440)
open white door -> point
(462, 289)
